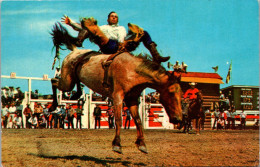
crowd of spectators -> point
(152, 97)
(225, 115)
(11, 95)
(39, 116)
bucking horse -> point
(128, 76)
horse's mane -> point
(149, 65)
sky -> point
(202, 33)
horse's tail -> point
(61, 37)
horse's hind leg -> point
(198, 125)
(133, 107)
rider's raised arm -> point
(76, 26)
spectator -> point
(55, 116)
(97, 115)
(216, 115)
(227, 103)
(221, 124)
(109, 102)
(233, 117)
(66, 95)
(79, 112)
(4, 115)
(11, 94)
(19, 95)
(19, 110)
(228, 115)
(70, 113)
(28, 113)
(81, 101)
(36, 94)
(256, 125)
(243, 120)
(4, 95)
(62, 115)
(148, 98)
(46, 115)
(222, 117)
(128, 118)
(156, 97)
(72, 95)
(110, 115)
(222, 96)
(42, 121)
(12, 111)
(18, 121)
(38, 110)
(33, 121)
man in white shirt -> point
(112, 38)
(12, 111)
(55, 116)
(18, 121)
(4, 115)
(243, 119)
(228, 115)
(33, 121)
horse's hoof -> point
(117, 149)
(143, 149)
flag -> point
(229, 73)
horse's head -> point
(170, 98)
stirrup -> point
(106, 63)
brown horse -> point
(128, 77)
(195, 113)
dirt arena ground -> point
(54, 147)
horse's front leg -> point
(64, 83)
(140, 136)
(77, 95)
(118, 122)
(54, 83)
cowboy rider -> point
(189, 95)
(112, 38)
(192, 92)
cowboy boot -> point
(95, 34)
(135, 32)
(156, 56)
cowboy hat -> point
(192, 83)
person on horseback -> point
(113, 38)
(189, 95)
(192, 92)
